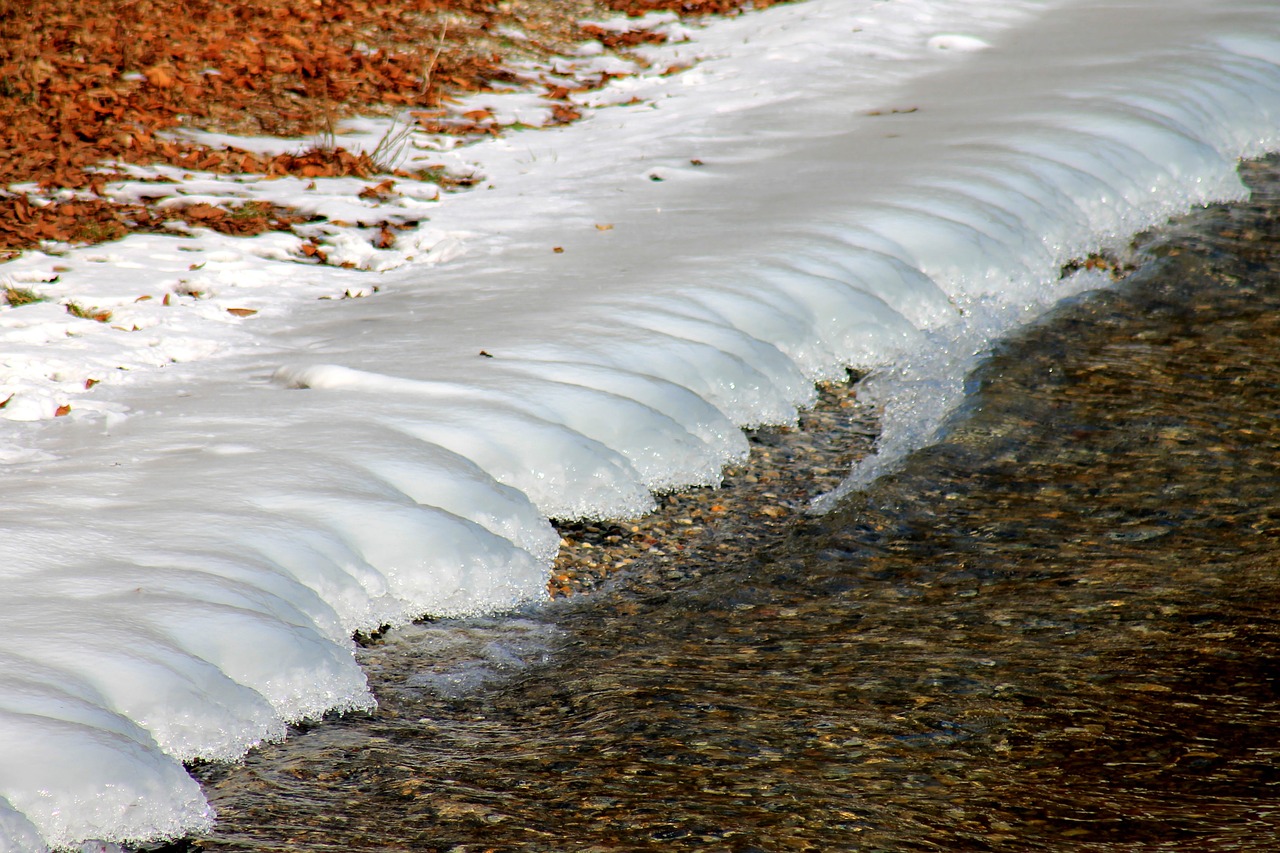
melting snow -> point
(883, 185)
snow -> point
(888, 186)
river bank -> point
(1049, 632)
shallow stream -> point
(1057, 630)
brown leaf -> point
(62, 410)
(160, 77)
(284, 70)
(379, 192)
(201, 212)
(561, 114)
(242, 312)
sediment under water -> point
(1056, 630)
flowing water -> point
(1056, 630)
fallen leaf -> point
(614, 39)
(62, 410)
(71, 109)
(242, 312)
(160, 77)
(608, 227)
(202, 211)
(561, 114)
(379, 192)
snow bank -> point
(883, 185)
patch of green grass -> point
(251, 210)
(432, 175)
(17, 296)
(75, 309)
(96, 231)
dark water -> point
(1055, 631)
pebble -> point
(788, 468)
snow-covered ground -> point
(886, 185)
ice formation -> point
(882, 185)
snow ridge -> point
(884, 186)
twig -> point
(386, 155)
(435, 57)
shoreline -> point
(755, 506)
(917, 668)
(759, 501)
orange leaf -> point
(202, 211)
(560, 114)
(160, 77)
(64, 409)
(242, 312)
